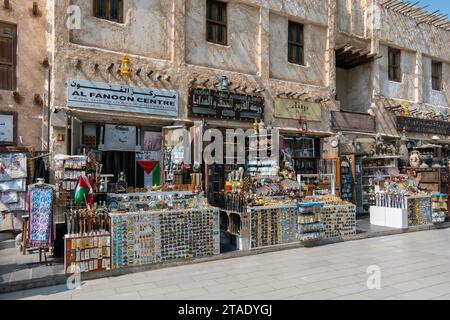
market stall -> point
(401, 203)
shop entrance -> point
(132, 154)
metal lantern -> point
(224, 84)
(125, 66)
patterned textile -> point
(40, 231)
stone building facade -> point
(370, 25)
(166, 42)
(24, 90)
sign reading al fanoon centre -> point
(115, 97)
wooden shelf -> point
(381, 157)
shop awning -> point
(122, 117)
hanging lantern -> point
(125, 66)
(224, 84)
(405, 109)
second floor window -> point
(295, 43)
(395, 73)
(109, 9)
(8, 56)
(436, 75)
(216, 22)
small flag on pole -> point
(84, 193)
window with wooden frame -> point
(395, 72)
(109, 9)
(436, 75)
(295, 43)
(216, 22)
(8, 56)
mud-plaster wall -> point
(431, 96)
(241, 52)
(245, 60)
(405, 88)
(31, 74)
(146, 30)
(351, 16)
(313, 70)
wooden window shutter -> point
(8, 58)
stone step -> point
(7, 244)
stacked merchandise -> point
(338, 216)
(153, 227)
(89, 253)
(310, 224)
(419, 210)
(68, 171)
(13, 195)
(439, 207)
(135, 202)
(261, 162)
(273, 225)
(150, 237)
(346, 180)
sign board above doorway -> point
(352, 121)
(297, 109)
(115, 97)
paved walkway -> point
(413, 266)
(15, 267)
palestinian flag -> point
(84, 190)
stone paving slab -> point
(205, 281)
(18, 272)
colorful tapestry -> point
(40, 204)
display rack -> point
(310, 223)
(318, 182)
(432, 179)
(87, 253)
(347, 179)
(14, 173)
(375, 172)
(303, 151)
(262, 162)
(419, 210)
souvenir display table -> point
(259, 211)
(401, 210)
(155, 227)
(402, 204)
(148, 237)
(338, 216)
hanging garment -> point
(40, 204)
(41, 171)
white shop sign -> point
(6, 128)
(96, 95)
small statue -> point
(389, 149)
(394, 150)
(372, 151)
